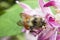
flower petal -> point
(23, 5)
(50, 3)
(45, 10)
(51, 20)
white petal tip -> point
(17, 2)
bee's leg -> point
(31, 29)
(20, 23)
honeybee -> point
(32, 22)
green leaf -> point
(8, 22)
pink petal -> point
(51, 21)
(56, 3)
(23, 5)
(50, 3)
(45, 10)
(49, 34)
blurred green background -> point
(10, 15)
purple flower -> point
(46, 13)
(50, 3)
